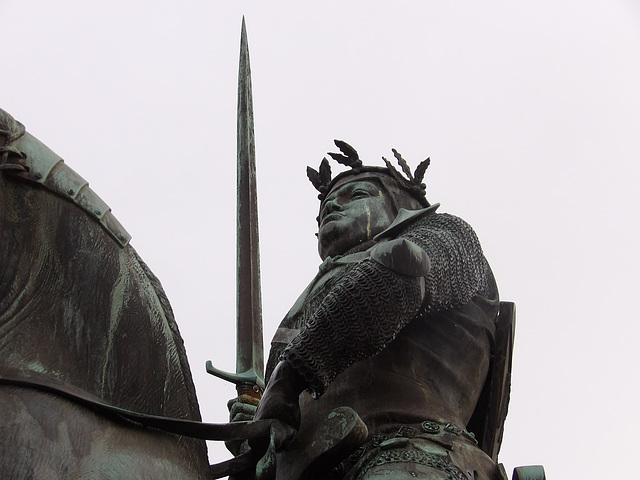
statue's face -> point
(352, 214)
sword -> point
(249, 376)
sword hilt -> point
(249, 382)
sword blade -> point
(249, 301)
(250, 352)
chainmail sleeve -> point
(370, 304)
(359, 316)
(459, 270)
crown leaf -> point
(321, 178)
(403, 164)
(394, 173)
(325, 172)
(349, 156)
(314, 177)
(421, 169)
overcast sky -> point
(529, 111)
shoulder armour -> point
(404, 219)
(402, 256)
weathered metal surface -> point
(249, 376)
(38, 158)
(492, 407)
(530, 472)
(408, 339)
(336, 436)
(46, 168)
(250, 356)
(179, 426)
(84, 314)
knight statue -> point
(395, 361)
(398, 325)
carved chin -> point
(332, 240)
(336, 241)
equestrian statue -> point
(394, 363)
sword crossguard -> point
(248, 381)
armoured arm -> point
(360, 316)
(373, 301)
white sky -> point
(529, 110)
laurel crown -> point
(321, 178)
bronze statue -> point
(94, 378)
(87, 333)
(398, 325)
(394, 362)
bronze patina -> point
(395, 361)
(398, 325)
(249, 376)
(78, 309)
(401, 336)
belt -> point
(400, 436)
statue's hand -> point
(242, 408)
(280, 399)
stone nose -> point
(332, 206)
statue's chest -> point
(331, 272)
(304, 308)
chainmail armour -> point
(369, 304)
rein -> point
(258, 430)
(189, 428)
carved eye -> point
(359, 193)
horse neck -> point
(75, 305)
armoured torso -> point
(434, 369)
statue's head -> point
(362, 202)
